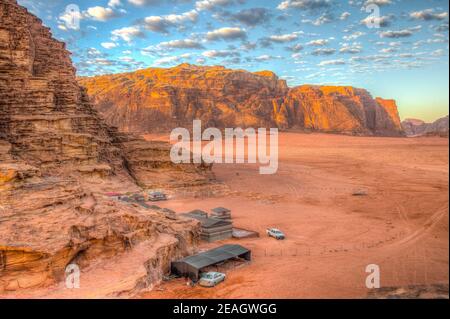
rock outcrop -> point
(58, 158)
(414, 127)
(158, 99)
(340, 110)
(135, 102)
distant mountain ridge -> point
(158, 99)
(415, 127)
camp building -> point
(192, 266)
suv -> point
(211, 279)
(275, 233)
(157, 196)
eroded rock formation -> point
(161, 99)
(339, 110)
(414, 127)
(58, 159)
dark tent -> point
(197, 213)
(221, 210)
(213, 229)
(221, 213)
(191, 266)
(213, 222)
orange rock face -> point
(153, 100)
(340, 110)
(160, 99)
(58, 159)
(389, 119)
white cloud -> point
(304, 4)
(264, 57)
(382, 21)
(318, 42)
(108, 45)
(102, 61)
(114, 3)
(211, 4)
(400, 33)
(170, 60)
(325, 51)
(295, 48)
(438, 52)
(324, 18)
(353, 36)
(93, 52)
(388, 50)
(191, 16)
(283, 38)
(345, 16)
(378, 2)
(227, 34)
(143, 2)
(219, 53)
(351, 48)
(182, 44)
(332, 62)
(127, 59)
(100, 13)
(163, 23)
(127, 34)
(428, 15)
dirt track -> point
(400, 225)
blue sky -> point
(396, 49)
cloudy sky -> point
(394, 48)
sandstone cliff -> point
(57, 160)
(414, 127)
(158, 99)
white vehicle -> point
(275, 233)
(157, 196)
(211, 279)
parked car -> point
(157, 196)
(211, 279)
(276, 233)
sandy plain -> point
(401, 222)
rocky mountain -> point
(58, 159)
(414, 127)
(158, 99)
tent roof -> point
(214, 256)
(156, 193)
(197, 212)
(213, 222)
(220, 210)
(209, 222)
